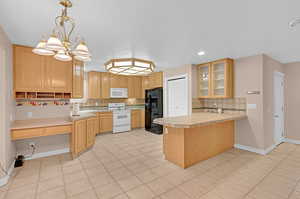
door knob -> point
(277, 116)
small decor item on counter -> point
(220, 110)
(76, 109)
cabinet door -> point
(105, 85)
(134, 87)
(222, 78)
(92, 130)
(138, 88)
(145, 85)
(80, 136)
(204, 77)
(94, 85)
(106, 122)
(118, 81)
(58, 75)
(28, 70)
(78, 73)
(135, 119)
(142, 118)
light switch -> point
(251, 106)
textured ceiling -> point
(169, 32)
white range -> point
(121, 117)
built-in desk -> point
(82, 129)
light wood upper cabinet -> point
(58, 75)
(92, 130)
(28, 70)
(105, 85)
(215, 79)
(80, 130)
(94, 85)
(118, 81)
(156, 80)
(204, 80)
(78, 77)
(35, 73)
(135, 87)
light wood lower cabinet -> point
(143, 118)
(105, 122)
(80, 135)
(137, 118)
(84, 134)
(92, 130)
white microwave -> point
(118, 93)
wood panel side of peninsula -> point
(188, 146)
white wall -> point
(7, 105)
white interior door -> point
(278, 107)
(177, 92)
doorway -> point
(278, 115)
(177, 92)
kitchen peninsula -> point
(191, 139)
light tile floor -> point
(132, 165)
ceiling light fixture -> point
(129, 66)
(201, 53)
(59, 43)
(294, 22)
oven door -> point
(121, 122)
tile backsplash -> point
(228, 105)
(104, 102)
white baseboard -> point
(271, 148)
(4, 180)
(48, 153)
(291, 141)
(251, 149)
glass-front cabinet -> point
(215, 79)
(204, 79)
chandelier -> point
(129, 66)
(59, 43)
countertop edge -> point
(200, 123)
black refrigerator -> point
(153, 109)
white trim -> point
(4, 180)
(166, 90)
(251, 149)
(271, 148)
(48, 153)
(255, 150)
(291, 141)
(279, 73)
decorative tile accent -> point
(228, 105)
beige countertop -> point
(47, 122)
(198, 119)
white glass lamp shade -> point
(62, 56)
(54, 43)
(83, 58)
(81, 50)
(40, 49)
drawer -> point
(27, 133)
(57, 130)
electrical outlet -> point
(32, 144)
